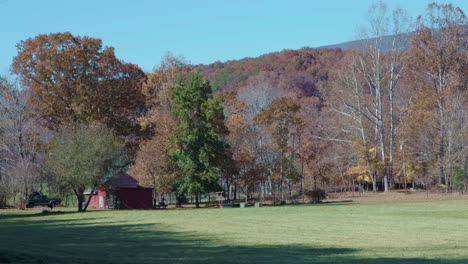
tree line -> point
(391, 114)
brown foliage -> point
(300, 69)
(280, 116)
(156, 92)
(434, 121)
(73, 79)
(153, 166)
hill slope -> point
(296, 69)
(299, 70)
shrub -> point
(316, 195)
(460, 180)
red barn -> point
(121, 192)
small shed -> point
(121, 192)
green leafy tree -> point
(199, 151)
(83, 156)
(460, 179)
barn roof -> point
(122, 180)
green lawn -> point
(396, 232)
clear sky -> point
(202, 31)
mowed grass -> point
(397, 232)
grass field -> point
(347, 232)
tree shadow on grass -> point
(86, 240)
(26, 214)
(326, 203)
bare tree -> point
(19, 145)
(374, 77)
(457, 133)
(350, 99)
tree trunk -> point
(282, 179)
(302, 176)
(87, 203)
(235, 192)
(367, 158)
(441, 145)
(197, 202)
(374, 183)
(80, 198)
(392, 122)
(247, 194)
(382, 134)
(228, 192)
(441, 104)
(179, 201)
(404, 175)
(269, 184)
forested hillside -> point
(300, 69)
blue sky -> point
(202, 31)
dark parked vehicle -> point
(39, 199)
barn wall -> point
(94, 200)
(101, 192)
(141, 198)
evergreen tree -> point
(199, 151)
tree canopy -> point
(199, 151)
(82, 156)
(75, 79)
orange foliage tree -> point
(73, 79)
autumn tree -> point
(315, 146)
(156, 91)
(199, 151)
(364, 90)
(255, 149)
(281, 118)
(439, 55)
(82, 156)
(75, 79)
(381, 65)
(350, 113)
(247, 168)
(154, 166)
